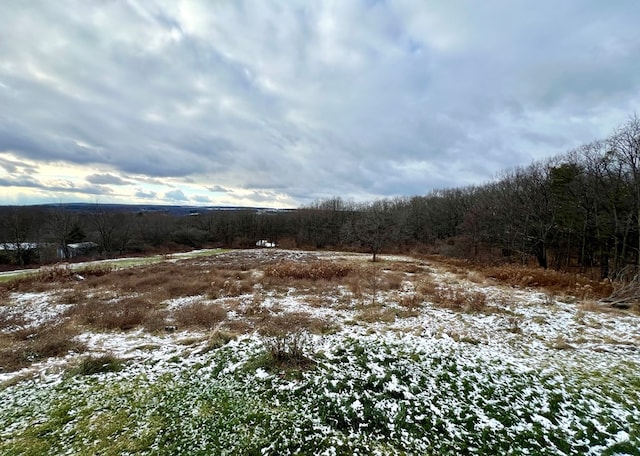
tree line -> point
(577, 211)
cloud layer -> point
(282, 102)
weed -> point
(391, 281)
(97, 365)
(155, 320)
(73, 296)
(239, 326)
(11, 320)
(286, 351)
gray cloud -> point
(14, 166)
(218, 189)
(106, 179)
(310, 99)
(61, 186)
(146, 195)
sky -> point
(280, 103)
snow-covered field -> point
(400, 357)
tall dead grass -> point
(123, 314)
(199, 315)
(554, 281)
(47, 278)
(23, 347)
(458, 299)
(315, 270)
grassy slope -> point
(372, 389)
(377, 394)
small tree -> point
(372, 227)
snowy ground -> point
(528, 373)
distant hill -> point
(150, 208)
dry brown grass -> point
(376, 313)
(553, 281)
(51, 277)
(391, 281)
(560, 343)
(161, 281)
(315, 270)
(427, 286)
(405, 267)
(219, 338)
(4, 293)
(461, 300)
(75, 295)
(123, 314)
(285, 323)
(11, 321)
(237, 326)
(230, 284)
(24, 347)
(412, 300)
(199, 315)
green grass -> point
(363, 397)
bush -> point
(286, 351)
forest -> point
(578, 212)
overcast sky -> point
(279, 103)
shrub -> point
(286, 350)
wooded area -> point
(579, 211)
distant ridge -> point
(156, 208)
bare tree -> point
(64, 228)
(625, 143)
(372, 226)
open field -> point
(119, 263)
(290, 352)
